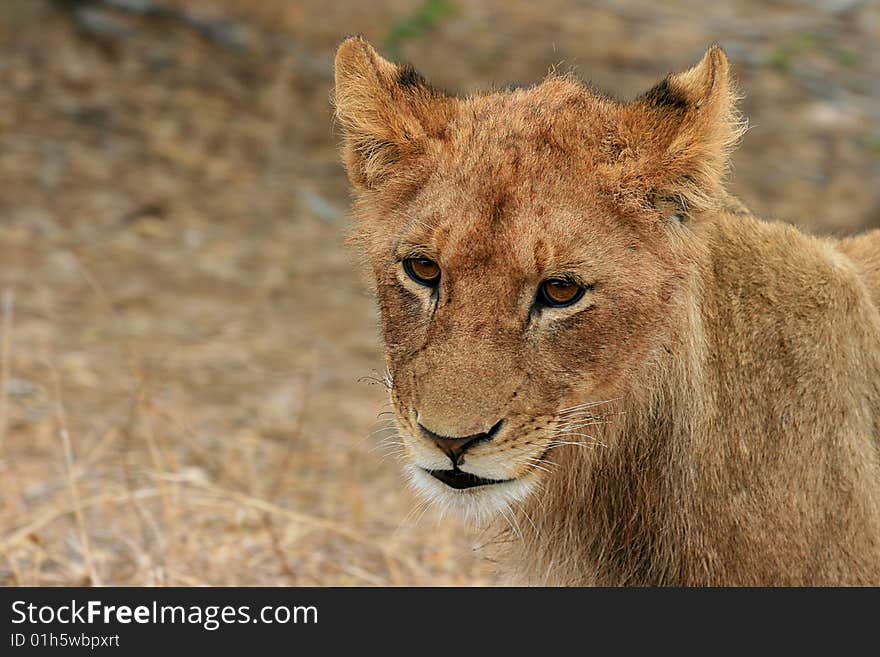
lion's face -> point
(522, 284)
(504, 307)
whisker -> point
(586, 405)
(580, 423)
(580, 443)
(418, 508)
(536, 464)
(573, 433)
(386, 442)
(576, 419)
(394, 443)
(549, 464)
(384, 379)
(388, 425)
(588, 414)
(521, 507)
(505, 511)
(381, 434)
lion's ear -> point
(387, 112)
(688, 126)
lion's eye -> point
(558, 293)
(422, 270)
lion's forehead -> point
(511, 187)
(499, 224)
(533, 133)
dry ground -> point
(183, 336)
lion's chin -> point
(478, 504)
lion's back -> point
(864, 250)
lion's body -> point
(750, 455)
(708, 412)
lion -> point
(590, 339)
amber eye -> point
(559, 293)
(422, 270)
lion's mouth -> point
(457, 479)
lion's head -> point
(528, 252)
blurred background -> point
(187, 355)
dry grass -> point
(183, 338)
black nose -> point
(454, 447)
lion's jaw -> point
(480, 504)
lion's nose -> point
(455, 446)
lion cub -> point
(591, 340)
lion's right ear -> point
(683, 131)
(387, 112)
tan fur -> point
(733, 365)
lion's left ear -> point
(683, 130)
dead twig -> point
(5, 365)
(52, 514)
(267, 507)
(71, 481)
